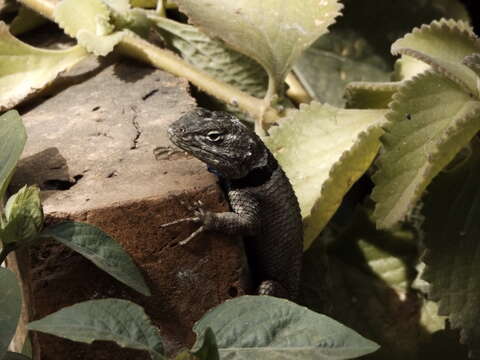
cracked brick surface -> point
(100, 154)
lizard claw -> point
(194, 219)
(199, 216)
(192, 235)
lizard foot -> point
(272, 288)
(199, 216)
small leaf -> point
(275, 41)
(430, 120)
(115, 320)
(264, 327)
(443, 45)
(24, 217)
(89, 22)
(213, 57)
(206, 346)
(10, 306)
(25, 69)
(14, 136)
(323, 151)
(452, 233)
(100, 249)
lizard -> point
(264, 208)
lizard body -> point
(264, 207)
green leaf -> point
(10, 306)
(100, 249)
(25, 69)
(115, 320)
(14, 356)
(89, 22)
(370, 95)
(14, 136)
(323, 151)
(24, 217)
(264, 327)
(26, 20)
(443, 45)
(355, 50)
(206, 346)
(452, 233)
(213, 57)
(337, 59)
(275, 41)
(430, 120)
(406, 67)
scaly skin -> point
(264, 207)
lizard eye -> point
(215, 136)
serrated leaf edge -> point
(430, 167)
(459, 26)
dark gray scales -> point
(264, 207)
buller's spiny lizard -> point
(264, 207)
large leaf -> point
(264, 327)
(25, 69)
(213, 57)
(443, 45)
(430, 120)
(273, 32)
(100, 249)
(452, 237)
(89, 22)
(10, 305)
(323, 151)
(14, 136)
(115, 320)
(354, 50)
(24, 217)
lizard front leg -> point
(243, 220)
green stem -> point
(136, 47)
(141, 49)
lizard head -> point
(220, 140)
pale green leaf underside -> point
(25, 69)
(10, 305)
(275, 41)
(407, 67)
(430, 120)
(323, 151)
(443, 45)
(213, 57)
(370, 95)
(115, 320)
(14, 136)
(89, 22)
(100, 249)
(264, 327)
(452, 232)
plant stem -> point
(136, 47)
